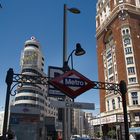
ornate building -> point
(32, 116)
(35, 96)
(118, 50)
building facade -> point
(31, 111)
(1, 122)
(81, 123)
(35, 96)
(118, 49)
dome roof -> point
(33, 42)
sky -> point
(21, 19)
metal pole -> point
(65, 125)
(123, 90)
(9, 81)
(65, 35)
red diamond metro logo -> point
(72, 83)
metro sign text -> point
(72, 83)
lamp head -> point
(74, 10)
(79, 50)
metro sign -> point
(72, 83)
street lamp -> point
(78, 52)
(74, 11)
(66, 132)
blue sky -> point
(21, 19)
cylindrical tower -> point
(32, 56)
(32, 63)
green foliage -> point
(112, 133)
(97, 134)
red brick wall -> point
(133, 21)
(100, 49)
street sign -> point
(78, 105)
(134, 130)
(72, 83)
(52, 73)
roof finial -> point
(33, 38)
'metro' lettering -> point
(73, 82)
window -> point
(110, 71)
(31, 70)
(126, 31)
(113, 104)
(129, 60)
(30, 57)
(108, 55)
(29, 91)
(108, 105)
(109, 62)
(29, 45)
(42, 58)
(134, 96)
(128, 50)
(127, 41)
(126, 36)
(131, 70)
(119, 100)
(132, 80)
(123, 32)
(111, 79)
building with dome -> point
(32, 116)
(29, 95)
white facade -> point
(1, 122)
(29, 95)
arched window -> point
(109, 56)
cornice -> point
(114, 14)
